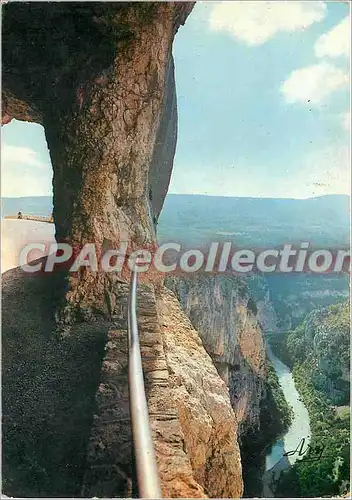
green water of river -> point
(275, 461)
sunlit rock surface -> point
(220, 308)
(100, 78)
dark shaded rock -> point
(99, 77)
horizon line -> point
(209, 196)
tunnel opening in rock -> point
(26, 165)
(106, 98)
(104, 92)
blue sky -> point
(263, 105)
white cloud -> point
(256, 22)
(314, 83)
(337, 42)
(23, 173)
(16, 154)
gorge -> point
(105, 94)
(100, 79)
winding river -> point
(300, 428)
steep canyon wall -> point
(100, 78)
(223, 313)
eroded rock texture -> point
(224, 315)
(202, 398)
(66, 424)
(99, 77)
(193, 424)
(109, 464)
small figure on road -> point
(19, 215)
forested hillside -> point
(318, 352)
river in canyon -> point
(275, 461)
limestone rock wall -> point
(202, 398)
(193, 424)
(109, 472)
(221, 310)
(99, 77)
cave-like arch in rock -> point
(100, 78)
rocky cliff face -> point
(208, 422)
(261, 294)
(327, 337)
(74, 394)
(99, 78)
(321, 343)
(225, 317)
(109, 464)
(283, 301)
(195, 429)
